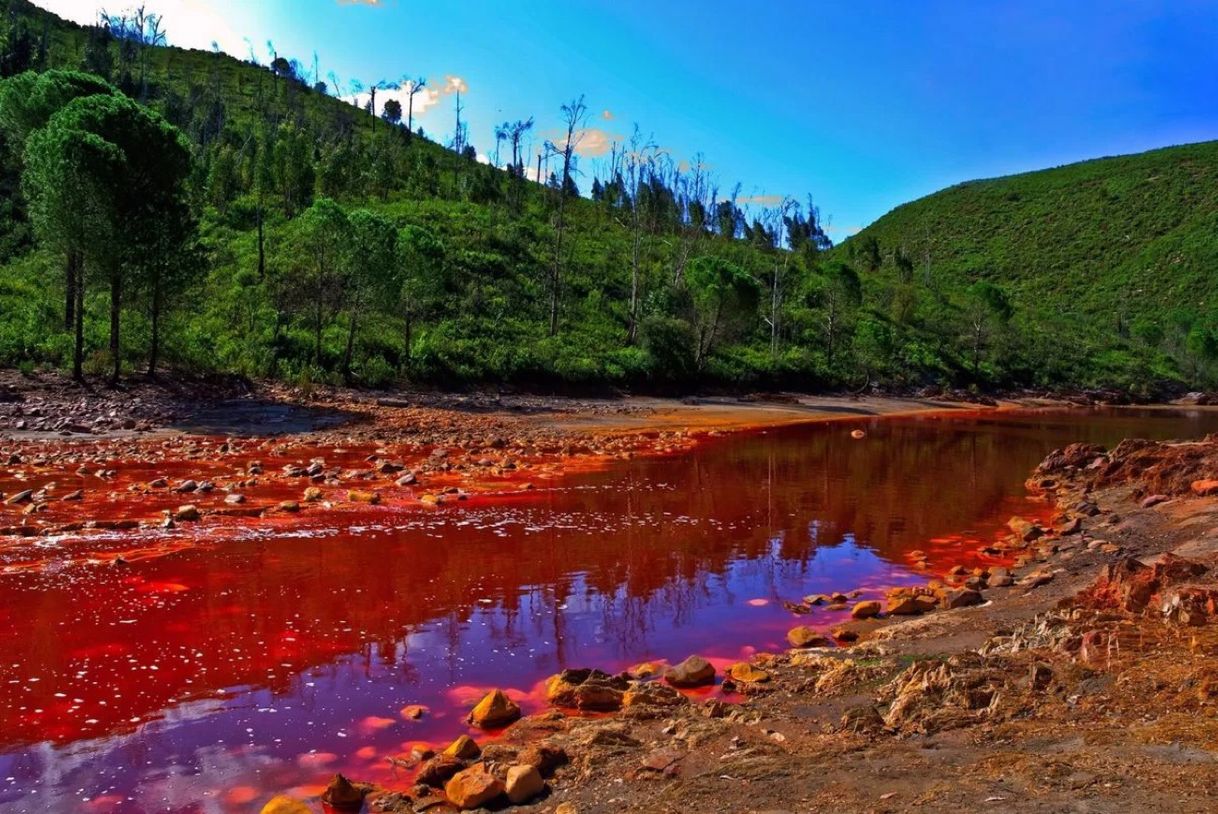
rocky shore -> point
(1084, 677)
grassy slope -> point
(1101, 240)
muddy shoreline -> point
(50, 406)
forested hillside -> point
(1118, 257)
(188, 210)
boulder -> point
(652, 694)
(437, 770)
(523, 783)
(868, 609)
(494, 711)
(586, 689)
(464, 747)
(472, 788)
(1024, 529)
(904, 605)
(187, 513)
(695, 671)
(804, 636)
(546, 757)
(341, 795)
(745, 673)
(962, 598)
(646, 669)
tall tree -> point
(323, 233)
(574, 115)
(370, 271)
(414, 87)
(27, 103)
(725, 297)
(838, 292)
(988, 309)
(422, 278)
(108, 177)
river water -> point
(210, 678)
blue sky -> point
(863, 104)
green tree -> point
(322, 235)
(724, 298)
(987, 311)
(392, 111)
(27, 103)
(836, 292)
(107, 178)
(1201, 347)
(371, 267)
(422, 278)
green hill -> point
(1113, 262)
(1092, 274)
(1107, 241)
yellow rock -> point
(746, 673)
(472, 787)
(285, 805)
(494, 710)
(464, 747)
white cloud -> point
(188, 23)
(424, 100)
(590, 141)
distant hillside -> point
(1109, 242)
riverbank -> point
(213, 457)
(50, 406)
(1083, 681)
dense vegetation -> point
(188, 208)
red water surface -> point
(249, 658)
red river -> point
(250, 658)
